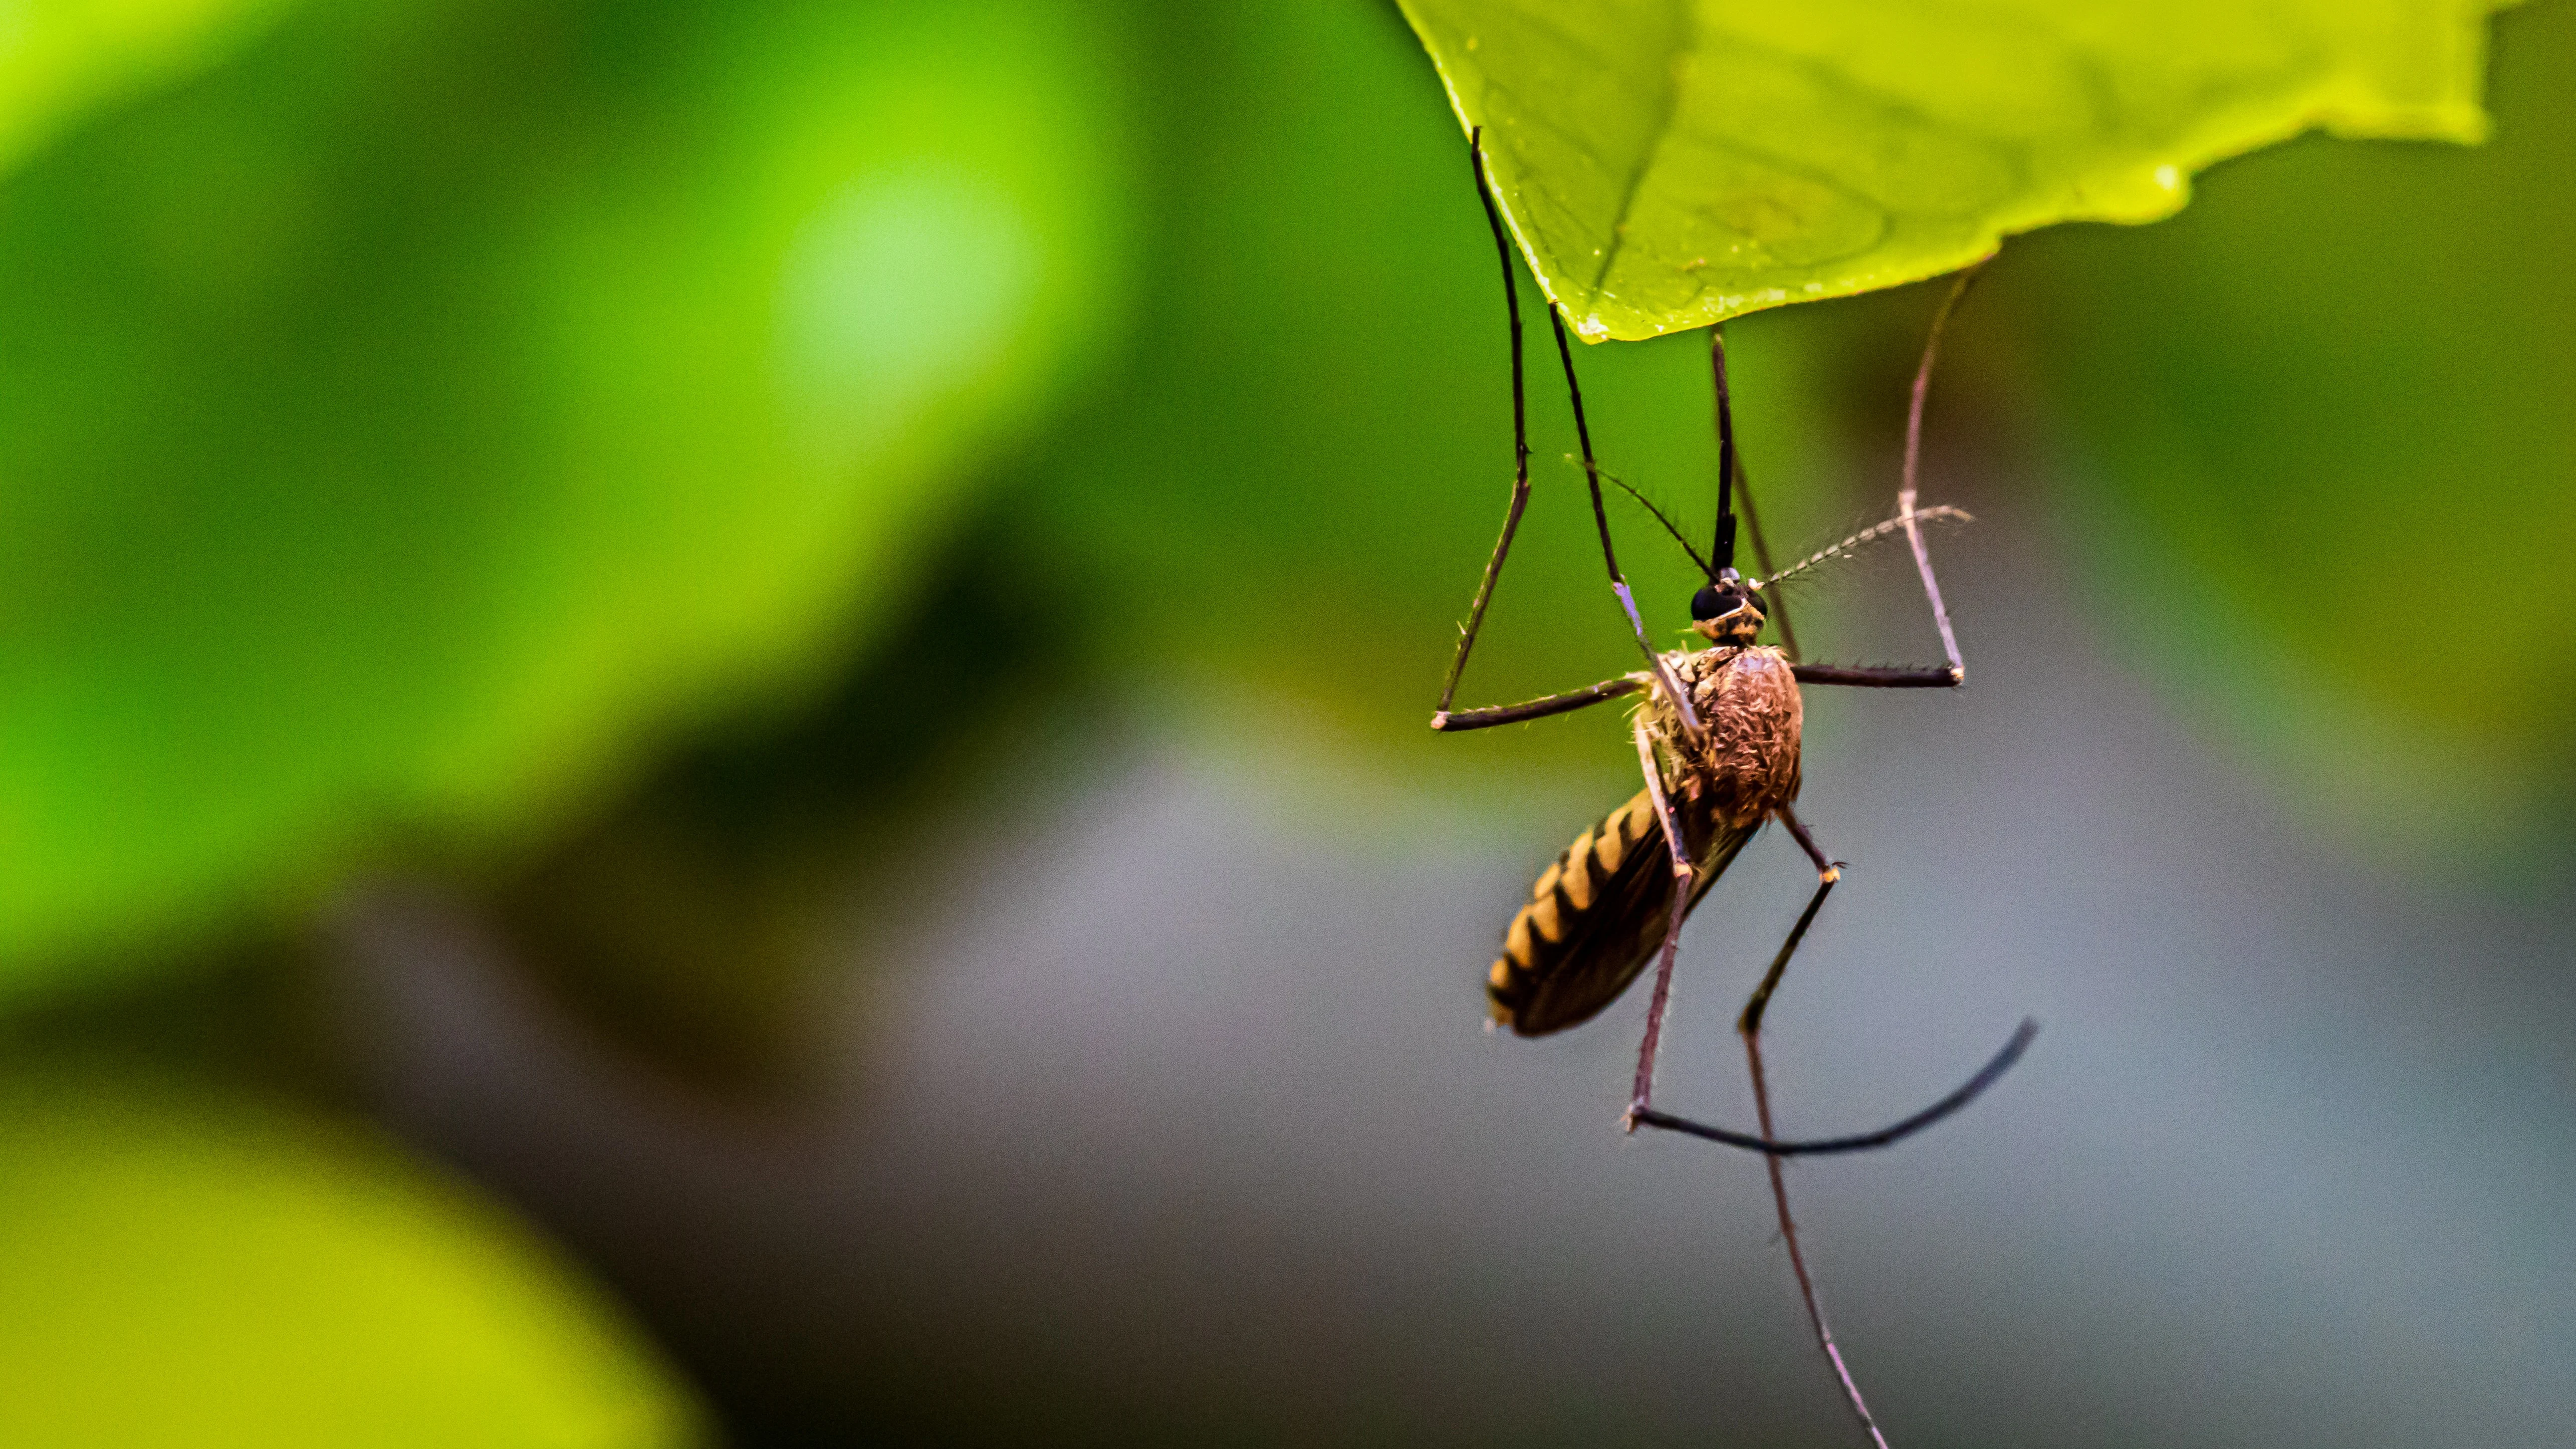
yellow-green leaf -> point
(1667, 164)
(180, 1269)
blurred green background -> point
(630, 629)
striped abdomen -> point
(1597, 915)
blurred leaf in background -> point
(709, 921)
(2316, 438)
(61, 59)
(188, 1266)
(403, 423)
(1668, 166)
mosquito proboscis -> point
(1717, 732)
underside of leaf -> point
(1667, 164)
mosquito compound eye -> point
(1713, 602)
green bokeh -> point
(402, 423)
(2318, 431)
(61, 60)
(190, 1268)
(1668, 165)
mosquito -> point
(1716, 730)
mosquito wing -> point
(1596, 916)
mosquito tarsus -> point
(1717, 732)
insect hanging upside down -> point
(1717, 769)
(1717, 731)
(1601, 912)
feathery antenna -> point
(1937, 513)
(1648, 504)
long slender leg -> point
(1750, 1027)
(1910, 519)
(1721, 545)
(1777, 609)
(1642, 1096)
(1502, 714)
(1913, 457)
(1876, 677)
(1520, 437)
(1797, 1258)
(1601, 519)
(1828, 873)
(1959, 1096)
(1641, 1109)
(1733, 484)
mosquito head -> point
(1727, 612)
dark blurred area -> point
(712, 728)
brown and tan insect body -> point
(1600, 912)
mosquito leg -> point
(1828, 872)
(1601, 519)
(1910, 519)
(1733, 484)
(1641, 1098)
(1641, 1112)
(1520, 436)
(1502, 714)
(1749, 1026)
(1947, 676)
(1777, 609)
(1966, 1092)
(1798, 1258)
(1913, 457)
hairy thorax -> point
(1744, 763)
